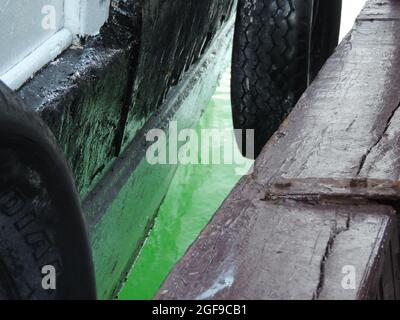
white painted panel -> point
(24, 26)
(72, 17)
(86, 17)
(94, 13)
(47, 51)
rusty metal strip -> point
(317, 189)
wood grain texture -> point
(344, 114)
(381, 10)
(262, 250)
(343, 132)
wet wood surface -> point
(261, 250)
(384, 9)
(341, 140)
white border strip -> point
(81, 17)
(46, 52)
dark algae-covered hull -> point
(152, 62)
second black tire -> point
(279, 47)
(44, 248)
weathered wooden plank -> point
(347, 254)
(264, 250)
(382, 160)
(345, 111)
(380, 10)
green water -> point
(195, 194)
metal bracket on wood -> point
(333, 189)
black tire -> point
(41, 223)
(279, 46)
(325, 33)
